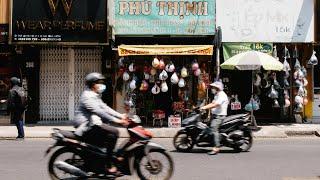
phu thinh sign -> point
(156, 17)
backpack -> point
(21, 99)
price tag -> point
(235, 106)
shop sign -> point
(174, 121)
(58, 21)
(235, 105)
(4, 29)
(231, 49)
(266, 21)
(136, 50)
(164, 17)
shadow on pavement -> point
(204, 151)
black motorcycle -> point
(79, 160)
(235, 132)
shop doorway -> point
(62, 73)
(7, 70)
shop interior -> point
(280, 96)
(156, 87)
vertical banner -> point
(164, 17)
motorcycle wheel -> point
(248, 140)
(67, 155)
(183, 142)
(163, 164)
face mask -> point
(213, 91)
(101, 88)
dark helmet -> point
(91, 78)
(15, 81)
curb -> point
(267, 132)
(303, 133)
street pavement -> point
(269, 159)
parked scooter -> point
(79, 160)
(234, 132)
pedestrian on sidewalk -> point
(17, 105)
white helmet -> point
(218, 85)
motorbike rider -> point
(219, 107)
(93, 117)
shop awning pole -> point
(218, 63)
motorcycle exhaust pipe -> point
(70, 169)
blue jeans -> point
(19, 124)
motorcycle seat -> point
(233, 117)
(68, 134)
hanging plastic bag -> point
(133, 85)
(121, 62)
(174, 78)
(152, 79)
(287, 103)
(184, 72)
(146, 76)
(313, 59)
(155, 89)
(125, 76)
(164, 86)
(297, 64)
(304, 71)
(195, 65)
(276, 104)
(161, 64)
(286, 74)
(305, 82)
(248, 107)
(276, 84)
(298, 99)
(274, 52)
(299, 107)
(286, 83)
(181, 83)
(265, 83)
(170, 67)
(197, 72)
(273, 93)
(286, 52)
(286, 65)
(131, 67)
(305, 101)
(163, 75)
(252, 105)
(153, 71)
(298, 83)
(298, 74)
(155, 62)
(257, 81)
(144, 86)
(286, 93)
